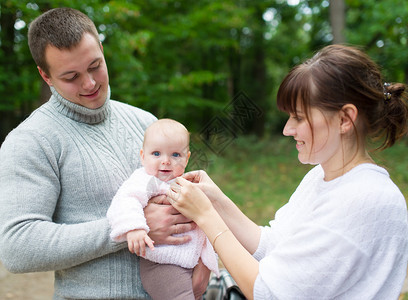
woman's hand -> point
(189, 199)
(205, 183)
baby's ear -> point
(142, 156)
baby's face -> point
(164, 157)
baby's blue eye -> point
(175, 154)
(156, 153)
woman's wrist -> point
(212, 224)
(206, 217)
(221, 203)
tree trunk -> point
(338, 20)
(258, 85)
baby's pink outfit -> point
(126, 214)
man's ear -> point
(348, 117)
(44, 76)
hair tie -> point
(387, 94)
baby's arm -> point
(137, 240)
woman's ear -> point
(348, 117)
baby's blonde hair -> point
(170, 128)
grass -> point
(260, 175)
(403, 297)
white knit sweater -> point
(342, 239)
(126, 213)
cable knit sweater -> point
(59, 171)
(126, 213)
(342, 239)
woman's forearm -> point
(238, 261)
(245, 230)
(234, 251)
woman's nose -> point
(289, 129)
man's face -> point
(80, 74)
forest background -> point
(215, 65)
(199, 60)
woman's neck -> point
(346, 165)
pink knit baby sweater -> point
(126, 214)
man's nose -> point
(89, 82)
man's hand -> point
(201, 276)
(164, 221)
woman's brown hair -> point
(338, 75)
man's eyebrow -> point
(70, 72)
(66, 73)
(95, 60)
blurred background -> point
(214, 65)
(189, 60)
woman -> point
(344, 233)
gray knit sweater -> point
(59, 171)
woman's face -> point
(318, 140)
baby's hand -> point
(137, 240)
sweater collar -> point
(80, 113)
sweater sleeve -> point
(30, 187)
(315, 262)
(126, 211)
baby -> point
(164, 156)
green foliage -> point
(380, 28)
(188, 59)
(395, 160)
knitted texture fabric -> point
(126, 213)
(342, 239)
(59, 171)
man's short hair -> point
(62, 28)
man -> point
(60, 169)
